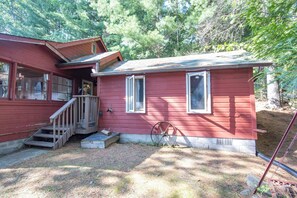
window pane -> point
(30, 84)
(61, 88)
(130, 94)
(197, 92)
(139, 94)
(4, 75)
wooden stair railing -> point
(87, 113)
(64, 123)
(78, 116)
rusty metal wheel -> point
(162, 132)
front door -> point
(87, 87)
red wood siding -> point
(35, 56)
(232, 116)
(76, 51)
(18, 119)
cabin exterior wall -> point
(20, 117)
(232, 105)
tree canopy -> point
(160, 28)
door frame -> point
(87, 82)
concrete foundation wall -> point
(11, 146)
(235, 145)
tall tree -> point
(54, 19)
(273, 25)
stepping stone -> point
(99, 140)
(20, 156)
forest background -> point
(163, 28)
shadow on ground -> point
(130, 170)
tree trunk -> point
(273, 96)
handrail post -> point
(75, 115)
(87, 111)
(97, 111)
(54, 133)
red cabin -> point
(208, 98)
(38, 77)
(50, 91)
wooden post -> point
(50, 86)
(87, 111)
(12, 81)
(97, 112)
(75, 115)
(70, 119)
(54, 133)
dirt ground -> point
(131, 170)
(275, 123)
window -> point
(135, 94)
(4, 76)
(61, 88)
(94, 49)
(31, 84)
(198, 92)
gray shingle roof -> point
(221, 60)
(89, 59)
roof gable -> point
(65, 50)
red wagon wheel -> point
(162, 132)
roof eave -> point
(246, 65)
(61, 65)
(39, 42)
(53, 49)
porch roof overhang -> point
(91, 60)
(198, 62)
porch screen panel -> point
(4, 79)
(61, 88)
(31, 84)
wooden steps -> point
(77, 116)
(44, 137)
(40, 143)
(50, 128)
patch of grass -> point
(264, 190)
(49, 188)
(182, 193)
(174, 194)
(123, 186)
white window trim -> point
(127, 105)
(207, 93)
(94, 48)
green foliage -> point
(54, 20)
(264, 189)
(160, 28)
(138, 28)
(273, 26)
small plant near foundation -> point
(264, 190)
